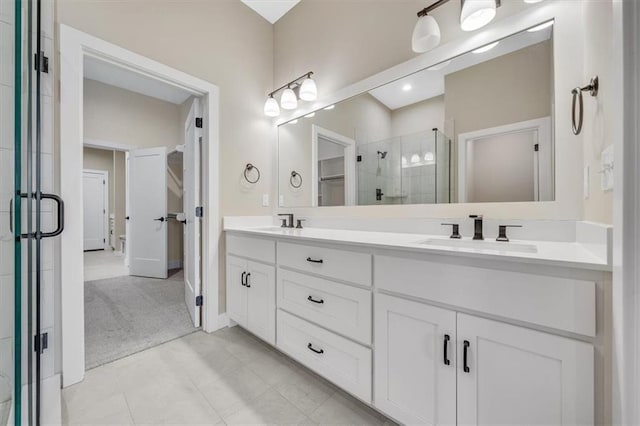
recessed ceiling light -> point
(406, 87)
(311, 115)
(330, 107)
(486, 48)
(540, 27)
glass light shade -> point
(476, 14)
(308, 90)
(415, 158)
(288, 100)
(428, 157)
(426, 34)
(271, 107)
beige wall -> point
(421, 116)
(120, 188)
(116, 115)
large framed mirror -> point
(477, 127)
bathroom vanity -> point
(431, 330)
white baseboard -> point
(174, 264)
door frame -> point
(349, 163)
(74, 47)
(105, 225)
(544, 182)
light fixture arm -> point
(292, 82)
(431, 7)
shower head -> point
(382, 154)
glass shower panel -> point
(379, 180)
(443, 167)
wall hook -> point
(248, 168)
(292, 179)
(592, 88)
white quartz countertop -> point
(563, 254)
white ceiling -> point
(124, 78)
(429, 83)
(271, 10)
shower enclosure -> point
(410, 169)
(26, 212)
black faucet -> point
(477, 226)
(284, 221)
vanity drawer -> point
(560, 303)
(340, 264)
(253, 248)
(339, 307)
(335, 358)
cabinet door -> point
(261, 301)
(236, 292)
(518, 376)
(415, 379)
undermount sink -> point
(482, 245)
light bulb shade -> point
(426, 34)
(288, 99)
(308, 90)
(271, 107)
(476, 14)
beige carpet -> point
(125, 315)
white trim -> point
(349, 163)
(625, 86)
(544, 187)
(74, 46)
(105, 203)
(110, 145)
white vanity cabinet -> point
(434, 365)
(251, 287)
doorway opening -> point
(141, 192)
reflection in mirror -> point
(475, 128)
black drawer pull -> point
(446, 349)
(311, 299)
(246, 280)
(464, 356)
(242, 279)
(314, 260)
(310, 346)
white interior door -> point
(147, 238)
(95, 208)
(191, 201)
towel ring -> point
(248, 169)
(592, 88)
(295, 174)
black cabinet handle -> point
(314, 260)
(160, 219)
(310, 346)
(464, 356)
(311, 299)
(246, 280)
(242, 279)
(446, 349)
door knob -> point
(160, 219)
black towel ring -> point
(592, 88)
(295, 175)
(247, 169)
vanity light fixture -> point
(428, 157)
(303, 87)
(289, 100)
(486, 48)
(271, 107)
(540, 27)
(474, 14)
(415, 158)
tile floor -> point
(103, 264)
(228, 377)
